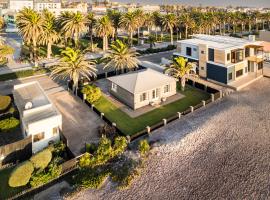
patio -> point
(246, 80)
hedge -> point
(157, 50)
(22, 74)
(21, 174)
(4, 102)
(41, 159)
(7, 125)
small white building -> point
(17, 5)
(39, 118)
(40, 5)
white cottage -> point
(39, 117)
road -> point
(156, 58)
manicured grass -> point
(130, 126)
(5, 190)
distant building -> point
(40, 5)
(17, 5)
(39, 118)
(141, 88)
(149, 8)
(223, 59)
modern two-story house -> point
(223, 59)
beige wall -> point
(264, 35)
(219, 56)
(203, 57)
(139, 104)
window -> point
(211, 54)
(188, 51)
(114, 87)
(202, 52)
(142, 97)
(38, 137)
(202, 68)
(55, 131)
(247, 52)
(239, 73)
(167, 88)
(194, 49)
(228, 56)
(153, 94)
(260, 65)
(237, 56)
(230, 76)
(246, 69)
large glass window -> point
(237, 56)
(230, 76)
(260, 65)
(211, 54)
(239, 73)
(39, 136)
(188, 51)
(228, 56)
(247, 52)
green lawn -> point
(5, 190)
(130, 126)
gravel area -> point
(220, 152)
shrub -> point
(40, 178)
(90, 148)
(7, 125)
(92, 92)
(21, 175)
(143, 147)
(120, 144)
(41, 159)
(91, 178)
(5, 102)
(107, 131)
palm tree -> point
(169, 21)
(121, 57)
(90, 23)
(157, 21)
(115, 17)
(30, 25)
(188, 22)
(73, 65)
(148, 21)
(139, 15)
(129, 23)
(180, 68)
(73, 25)
(104, 29)
(50, 34)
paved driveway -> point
(221, 152)
(80, 124)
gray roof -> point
(41, 108)
(140, 81)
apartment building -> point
(40, 5)
(223, 59)
(39, 117)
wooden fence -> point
(17, 151)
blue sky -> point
(250, 3)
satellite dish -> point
(28, 105)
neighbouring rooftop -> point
(141, 81)
(218, 41)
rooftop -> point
(218, 41)
(32, 102)
(140, 81)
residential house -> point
(39, 118)
(17, 5)
(40, 5)
(141, 88)
(223, 59)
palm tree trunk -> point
(35, 52)
(49, 50)
(104, 43)
(171, 30)
(131, 38)
(91, 38)
(249, 27)
(183, 83)
(138, 36)
(186, 31)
